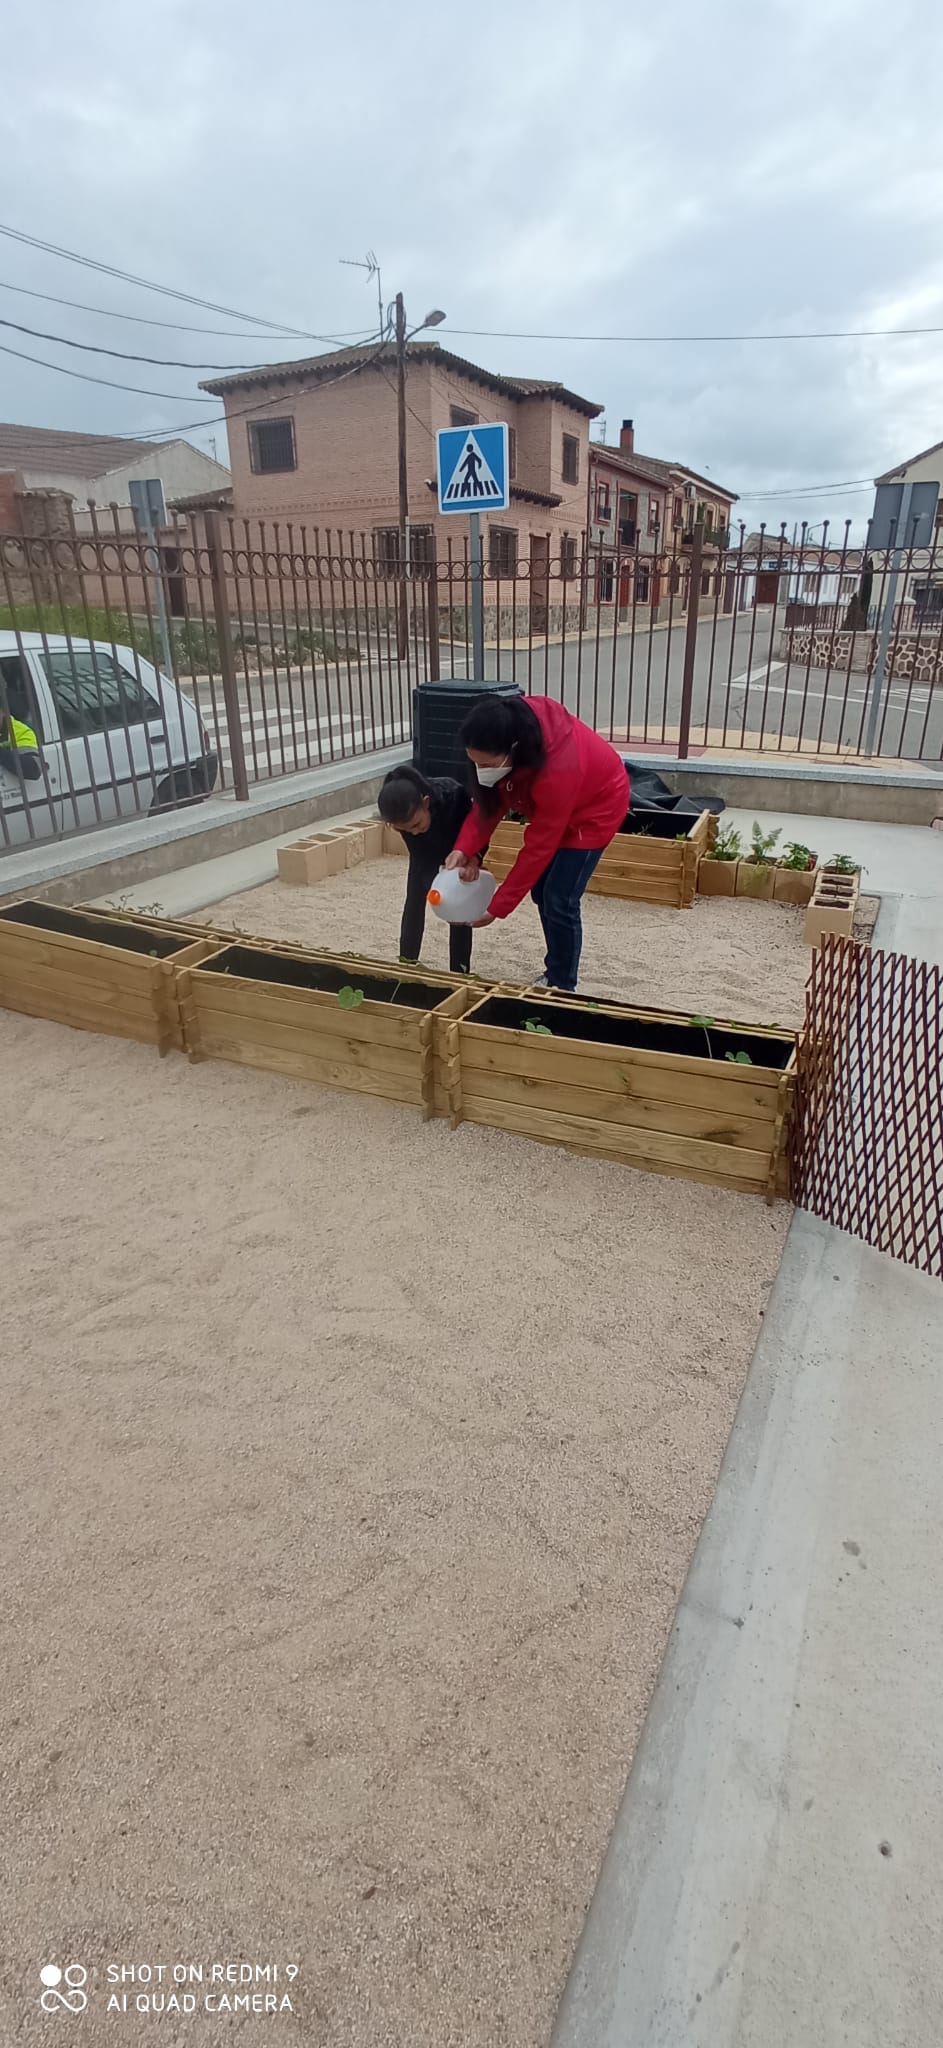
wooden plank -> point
(696, 1159)
(101, 964)
(542, 1056)
(26, 934)
(623, 1106)
(724, 1096)
(78, 988)
(336, 1046)
(374, 1022)
(300, 1067)
(145, 1030)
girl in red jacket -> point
(531, 755)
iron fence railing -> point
(233, 651)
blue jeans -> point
(558, 895)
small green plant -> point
(799, 857)
(705, 1024)
(842, 864)
(739, 1059)
(350, 998)
(762, 847)
(727, 846)
(539, 1030)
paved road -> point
(628, 685)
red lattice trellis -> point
(868, 1132)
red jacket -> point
(578, 798)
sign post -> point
(472, 472)
(150, 513)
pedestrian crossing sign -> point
(472, 468)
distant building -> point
(923, 587)
(101, 466)
(314, 444)
(640, 506)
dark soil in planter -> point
(654, 825)
(634, 1034)
(285, 972)
(83, 924)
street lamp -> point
(433, 319)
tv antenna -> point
(369, 263)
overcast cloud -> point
(691, 169)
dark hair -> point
(401, 793)
(502, 725)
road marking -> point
(757, 675)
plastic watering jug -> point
(461, 902)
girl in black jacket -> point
(429, 812)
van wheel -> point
(184, 786)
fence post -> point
(227, 660)
(690, 642)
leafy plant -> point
(762, 845)
(739, 1059)
(799, 857)
(350, 998)
(842, 864)
(705, 1024)
(539, 1030)
(728, 845)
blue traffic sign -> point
(472, 467)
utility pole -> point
(403, 618)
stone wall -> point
(912, 657)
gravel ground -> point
(722, 959)
(350, 1471)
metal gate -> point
(868, 1133)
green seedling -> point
(350, 998)
(842, 864)
(739, 1059)
(727, 846)
(705, 1024)
(537, 1029)
(801, 858)
(762, 845)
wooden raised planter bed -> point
(260, 1007)
(641, 867)
(633, 1085)
(79, 968)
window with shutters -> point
(458, 417)
(568, 563)
(272, 446)
(571, 459)
(502, 551)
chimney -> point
(627, 438)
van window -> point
(17, 694)
(93, 692)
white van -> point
(115, 737)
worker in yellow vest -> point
(19, 748)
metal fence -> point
(868, 1137)
(283, 647)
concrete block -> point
(392, 840)
(373, 833)
(305, 862)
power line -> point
(847, 483)
(146, 284)
(261, 404)
(95, 348)
(178, 397)
(176, 326)
(817, 334)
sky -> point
(534, 169)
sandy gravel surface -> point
(723, 959)
(349, 1474)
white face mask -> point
(489, 777)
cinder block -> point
(373, 839)
(355, 846)
(303, 862)
(831, 913)
(393, 840)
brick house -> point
(314, 444)
(641, 516)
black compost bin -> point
(439, 712)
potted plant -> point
(717, 872)
(756, 873)
(794, 878)
(831, 911)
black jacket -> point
(427, 851)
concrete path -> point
(773, 1876)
